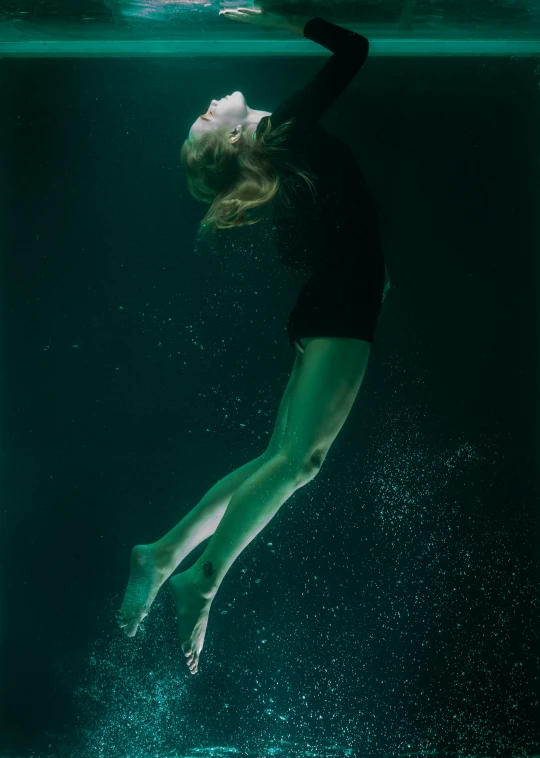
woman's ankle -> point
(165, 556)
(204, 579)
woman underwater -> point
(236, 159)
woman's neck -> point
(254, 120)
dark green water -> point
(391, 606)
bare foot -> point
(192, 611)
(146, 576)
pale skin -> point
(324, 383)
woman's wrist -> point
(295, 24)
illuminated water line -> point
(212, 47)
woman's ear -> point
(236, 134)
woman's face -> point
(227, 113)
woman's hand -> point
(257, 17)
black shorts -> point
(344, 300)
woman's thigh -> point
(278, 435)
(330, 375)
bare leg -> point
(151, 565)
(330, 377)
(252, 506)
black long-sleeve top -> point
(341, 221)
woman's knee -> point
(296, 468)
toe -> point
(131, 627)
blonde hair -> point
(237, 178)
